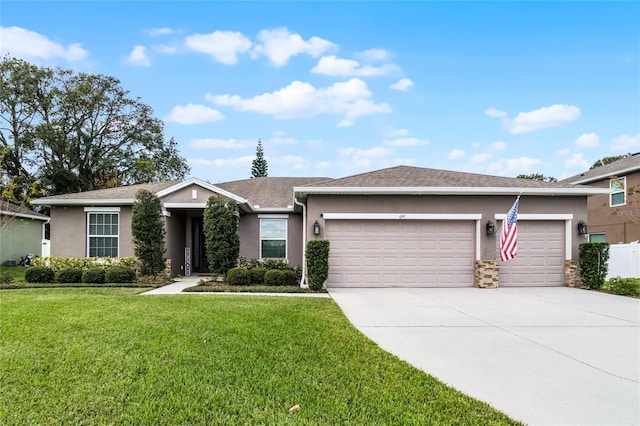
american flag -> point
(509, 237)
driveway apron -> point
(547, 356)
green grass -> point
(15, 272)
(108, 356)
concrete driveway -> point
(552, 356)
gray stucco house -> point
(401, 226)
(21, 232)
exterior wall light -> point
(316, 228)
(491, 229)
(582, 227)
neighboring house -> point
(613, 217)
(401, 226)
(21, 232)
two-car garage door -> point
(401, 253)
(437, 253)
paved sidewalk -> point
(176, 287)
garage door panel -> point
(540, 259)
(386, 253)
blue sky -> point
(337, 88)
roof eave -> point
(83, 202)
(577, 191)
(606, 175)
(25, 215)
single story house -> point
(400, 226)
(614, 216)
(21, 232)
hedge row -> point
(113, 274)
(260, 275)
(84, 263)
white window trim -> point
(286, 233)
(92, 210)
(623, 180)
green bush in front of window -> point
(93, 276)
(289, 277)
(39, 274)
(257, 274)
(273, 277)
(119, 274)
(69, 275)
(238, 276)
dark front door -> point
(198, 256)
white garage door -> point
(400, 253)
(540, 259)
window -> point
(618, 189)
(273, 238)
(599, 237)
(102, 234)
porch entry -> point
(198, 254)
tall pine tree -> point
(259, 165)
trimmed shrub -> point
(58, 263)
(275, 263)
(257, 274)
(238, 276)
(317, 255)
(593, 258)
(289, 277)
(273, 277)
(69, 275)
(39, 274)
(120, 274)
(93, 276)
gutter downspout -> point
(303, 284)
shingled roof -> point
(617, 168)
(269, 192)
(121, 193)
(418, 180)
(12, 209)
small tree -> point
(259, 165)
(148, 232)
(222, 242)
(317, 263)
(593, 258)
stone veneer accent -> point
(486, 274)
(572, 273)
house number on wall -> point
(403, 216)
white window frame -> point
(286, 233)
(598, 233)
(623, 190)
(102, 210)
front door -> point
(199, 258)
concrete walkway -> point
(186, 282)
(546, 356)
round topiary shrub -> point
(93, 276)
(273, 277)
(120, 274)
(238, 276)
(257, 274)
(289, 277)
(39, 274)
(69, 275)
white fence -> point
(624, 260)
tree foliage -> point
(538, 176)
(77, 132)
(608, 160)
(222, 242)
(259, 165)
(147, 229)
(317, 256)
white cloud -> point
(224, 46)
(496, 113)
(345, 123)
(153, 32)
(372, 55)
(299, 99)
(588, 140)
(221, 162)
(194, 114)
(403, 84)
(278, 45)
(542, 118)
(362, 158)
(392, 131)
(288, 162)
(480, 158)
(514, 166)
(455, 153)
(499, 146)
(626, 142)
(214, 143)
(139, 57)
(339, 67)
(564, 151)
(407, 142)
(577, 160)
(166, 49)
(21, 43)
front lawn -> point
(109, 356)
